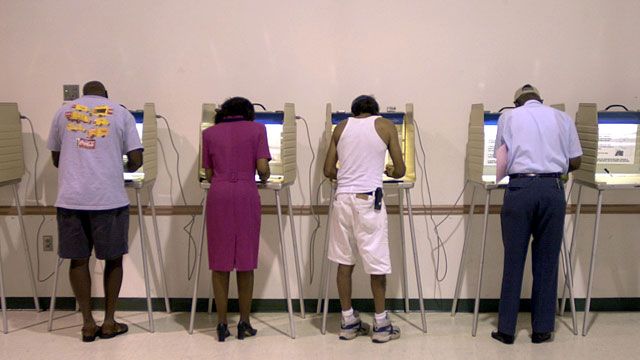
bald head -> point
(94, 88)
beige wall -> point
(441, 55)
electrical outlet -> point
(47, 243)
(70, 92)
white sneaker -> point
(350, 330)
(384, 331)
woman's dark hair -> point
(234, 109)
(365, 104)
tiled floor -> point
(612, 336)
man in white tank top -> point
(360, 143)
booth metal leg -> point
(325, 260)
(594, 247)
(572, 249)
(568, 274)
(456, 294)
(476, 306)
(163, 273)
(27, 253)
(296, 256)
(199, 251)
(52, 306)
(3, 301)
(326, 268)
(405, 277)
(416, 261)
(325, 310)
(144, 261)
(285, 267)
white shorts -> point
(357, 227)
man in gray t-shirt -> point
(87, 140)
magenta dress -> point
(233, 211)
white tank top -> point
(361, 153)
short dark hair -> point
(236, 107)
(94, 88)
(365, 104)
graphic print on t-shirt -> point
(92, 122)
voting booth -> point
(404, 123)
(610, 161)
(281, 136)
(480, 169)
(142, 178)
(11, 171)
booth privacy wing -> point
(11, 153)
(150, 142)
(475, 168)
(147, 128)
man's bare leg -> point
(112, 282)
(80, 279)
(344, 285)
(379, 288)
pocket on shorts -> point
(363, 203)
(370, 219)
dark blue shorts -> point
(79, 231)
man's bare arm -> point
(135, 160)
(574, 163)
(55, 157)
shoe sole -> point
(385, 339)
(123, 330)
(541, 341)
(112, 335)
(363, 331)
(246, 334)
(92, 338)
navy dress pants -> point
(532, 207)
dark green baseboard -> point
(280, 305)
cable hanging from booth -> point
(188, 228)
(439, 242)
(314, 215)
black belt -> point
(370, 193)
(531, 175)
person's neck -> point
(364, 115)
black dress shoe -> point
(538, 338)
(223, 332)
(502, 337)
(245, 329)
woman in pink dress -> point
(232, 151)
